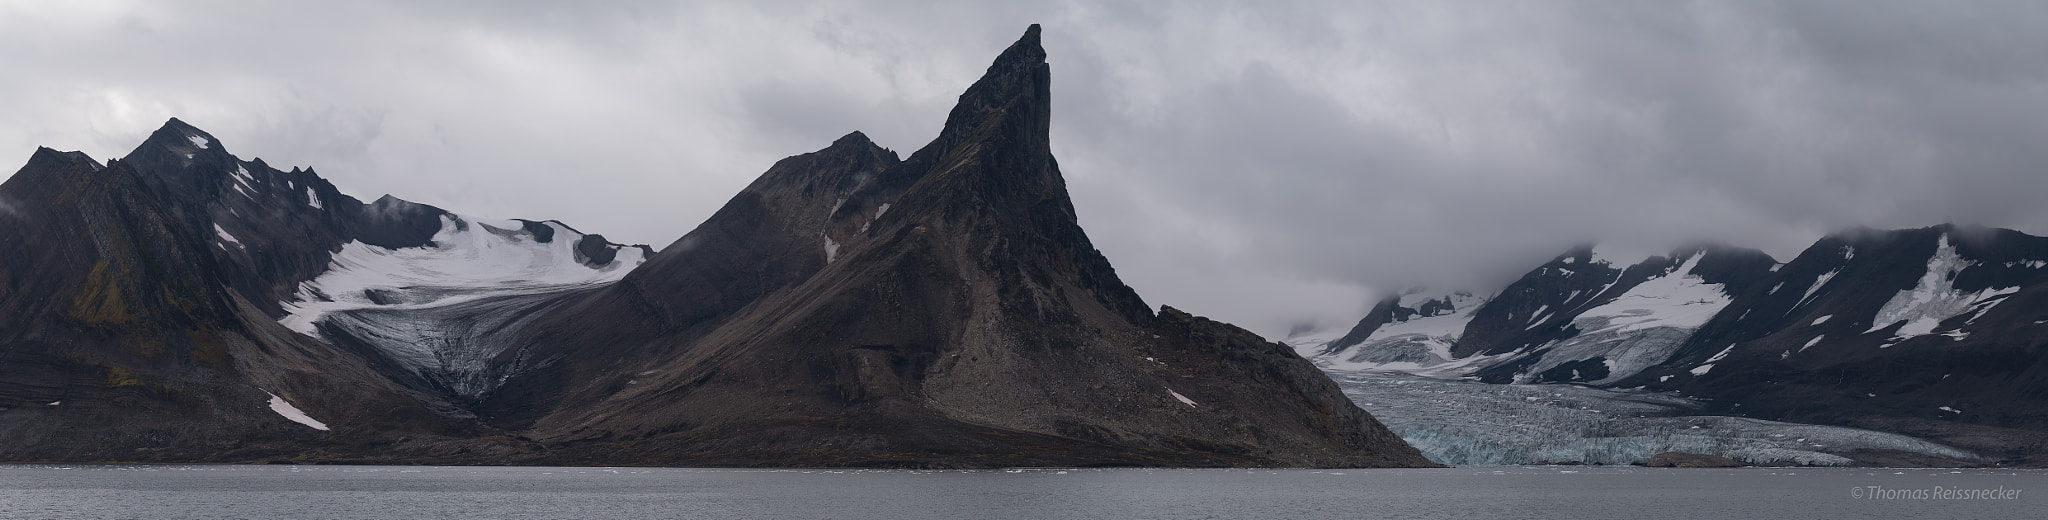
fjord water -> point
(1473, 493)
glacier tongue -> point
(1472, 423)
(443, 310)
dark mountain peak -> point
(1017, 83)
(50, 158)
(178, 136)
(185, 162)
(1002, 125)
(855, 139)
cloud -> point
(1310, 155)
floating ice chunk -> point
(1183, 399)
(278, 404)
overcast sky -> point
(1263, 164)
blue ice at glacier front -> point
(1463, 423)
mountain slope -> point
(945, 310)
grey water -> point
(1471, 493)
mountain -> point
(141, 300)
(1928, 332)
(849, 308)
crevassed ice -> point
(488, 258)
(1470, 423)
(1935, 298)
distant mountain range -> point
(1936, 332)
(849, 308)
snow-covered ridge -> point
(468, 259)
(1421, 343)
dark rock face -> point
(946, 310)
(850, 308)
(1676, 459)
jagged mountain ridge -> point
(1930, 332)
(849, 308)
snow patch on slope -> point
(1818, 282)
(225, 238)
(279, 405)
(1641, 328)
(467, 260)
(1678, 299)
(1923, 307)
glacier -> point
(443, 311)
(1421, 343)
(1468, 423)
